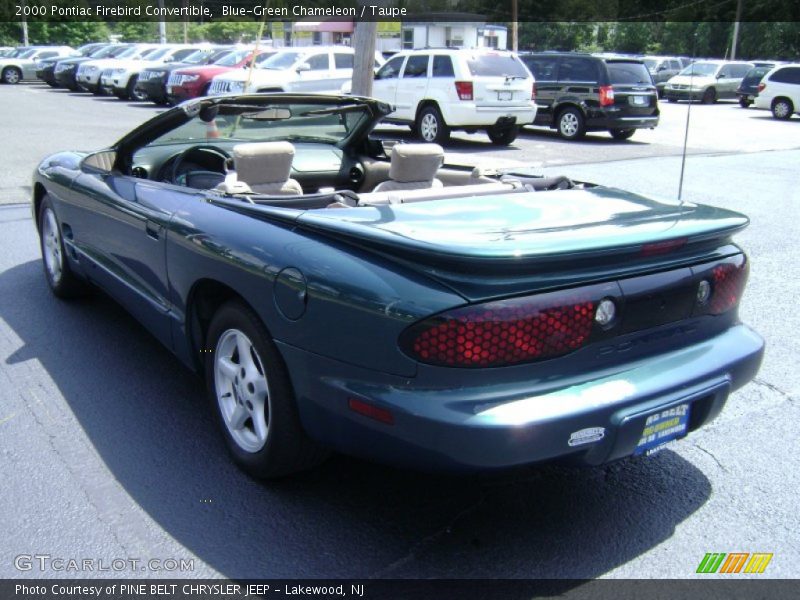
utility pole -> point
(514, 25)
(736, 28)
(162, 26)
(185, 26)
(24, 24)
(364, 60)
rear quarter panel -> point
(357, 303)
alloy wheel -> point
(53, 258)
(429, 127)
(569, 124)
(242, 390)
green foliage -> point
(702, 39)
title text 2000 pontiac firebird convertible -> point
(390, 306)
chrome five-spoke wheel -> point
(51, 242)
(242, 390)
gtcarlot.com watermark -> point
(61, 564)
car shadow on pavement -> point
(145, 416)
(592, 137)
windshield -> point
(118, 51)
(651, 63)
(701, 69)
(129, 52)
(628, 72)
(254, 121)
(156, 54)
(496, 65)
(102, 52)
(232, 58)
(280, 61)
(198, 57)
(27, 53)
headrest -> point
(415, 162)
(263, 162)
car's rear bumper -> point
(764, 102)
(497, 426)
(622, 122)
(468, 114)
(671, 94)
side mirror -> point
(303, 67)
(662, 68)
(99, 162)
(721, 75)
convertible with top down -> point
(339, 292)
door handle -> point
(152, 229)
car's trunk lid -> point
(525, 229)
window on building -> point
(408, 39)
(454, 37)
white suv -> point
(435, 91)
(779, 91)
(121, 77)
(309, 69)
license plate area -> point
(505, 96)
(639, 100)
(663, 427)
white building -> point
(395, 36)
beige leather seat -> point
(265, 168)
(413, 167)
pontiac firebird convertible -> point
(341, 293)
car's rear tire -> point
(503, 136)
(252, 398)
(11, 75)
(744, 102)
(672, 100)
(622, 134)
(782, 109)
(430, 125)
(571, 124)
(62, 281)
(709, 96)
(52, 84)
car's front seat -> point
(265, 167)
(413, 167)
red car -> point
(192, 82)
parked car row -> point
(433, 90)
(22, 64)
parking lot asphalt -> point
(107, 449)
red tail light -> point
(533, 91)
(727, 285)
(464, 90)
(761, 87)
(505, 332)
(606, 95)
